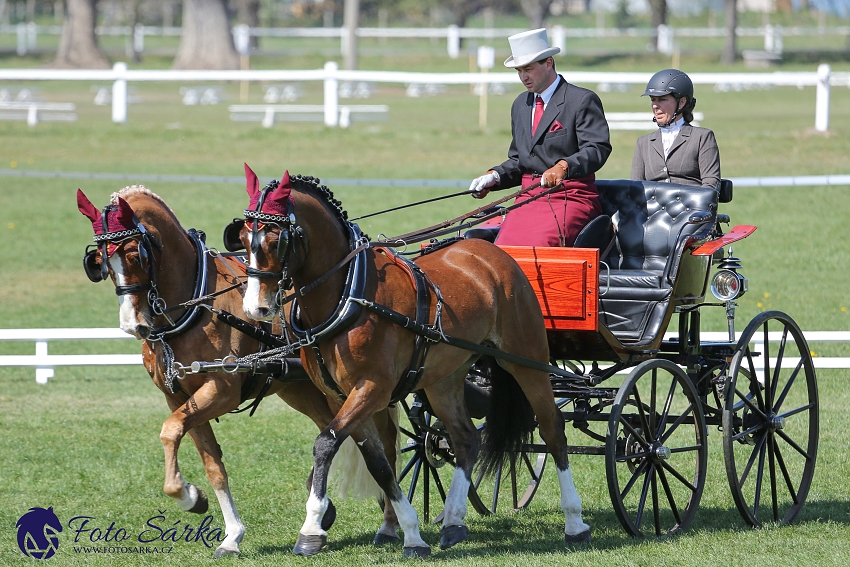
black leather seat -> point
(655, 223)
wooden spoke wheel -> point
(656, 450)
(515, 483)
(770, 420)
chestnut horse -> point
(474, 291)
(154, 264)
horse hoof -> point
(421, 552)
(451, 535)
(202, 504)
(384, 539)
(330, 516)
(222, 551)
(308, 545)
(583, 537)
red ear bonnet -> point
(89, 211)
(277, 202)
(122, 219)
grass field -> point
(87, 443)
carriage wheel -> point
(770, 421)
(656, 450)
(428, 466)
(515, 482)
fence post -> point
(453, 41)
(331, 94)
(32, 36)
(119, 94)
(22, 38)
(139, 39)
(822, 99)
(665, 40)
(559, 38)
(42, 373)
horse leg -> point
(209, 401)
(537, 388)
(447, 401)
(387, 423)
(354, 419)
(211, 456)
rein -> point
(442, 228)
(417, 203)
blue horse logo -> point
(38, 533)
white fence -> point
(44, 362)
(27, 34)
(331, 76)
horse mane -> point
(133, 190)
(314, 186)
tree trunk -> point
(206, 42)
(536, 11)
(730, 50)
(350, 17)
(78, 47)
(659, 12)
(248, 13)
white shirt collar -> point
(668, 134)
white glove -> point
(480, 186)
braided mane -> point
(132, 190)
(314, 184)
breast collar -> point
(348, 309)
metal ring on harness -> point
(235, 362)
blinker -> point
(93, 268)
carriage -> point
(647, 400)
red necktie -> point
(538, 113)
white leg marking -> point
(571, 504)
(189, 497)
(409, 522)
(233, 526)
(455, 509)
(316, 508)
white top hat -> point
(528, 47)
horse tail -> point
(349, 475)
(510, 420)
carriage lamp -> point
(728, 284)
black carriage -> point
(663, 249)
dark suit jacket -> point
(582, 139)
(693, 158)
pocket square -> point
(556, 126)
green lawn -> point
(87, 443)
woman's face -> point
(664, 107)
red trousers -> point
(553, 220)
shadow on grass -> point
(540, 532)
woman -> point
(677, 152)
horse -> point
(155, 263)
(353, 304)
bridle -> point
(147, 243)
(290, 235)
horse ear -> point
(252, 183)
(285, 186)
(125, 213)
(87, 208)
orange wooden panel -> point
(565, 281)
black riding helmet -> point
(676, 83)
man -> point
(560, 137)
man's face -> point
(537, 76)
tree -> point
(730, 50)
(659, 17)
(78, 44)
(536, 10)
(248, 13)
(206, 42)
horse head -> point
(276, 244)
(124, 250)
